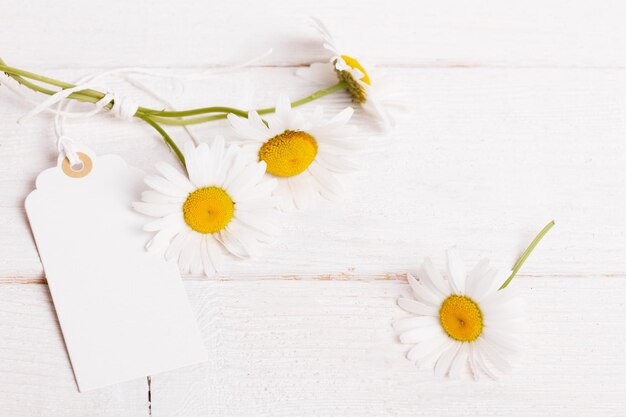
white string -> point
(123, 107)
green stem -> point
(195, 112)
(165, 136)
(185, 122)
(158, 116)
(527, 253)
(316, 95)
(92, 96)
(15, 74)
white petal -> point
(423, 293)
(427, 348)
(248, 237)
(207, 265)
(196, 168)
(163, 222)
(420, 334)
(216, 160)
(161, 240)
(164, 186)
(479, 360)
(493, 356)
(250, 176)
(460, 361)
(302, 190)
(456, 271)
(486, 285)
(156, 209)
(283, 110)
(343, 116)
(177, 244)
(151, 196)
(320, 73)
(260, 191)
(190, 253)
(244, 127)
(416, 307)
(336, 163)
(500, 339)
(329, 41)
(475, 276)
(215, 252)
(471, 360)
(232, 244)
(327, 182)
(445, 360)
(408, 323)
(376, 110)
(240, 162)
(174, 176)
(434, 277)
(257, 220)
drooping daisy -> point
(460, 321)
(306, 155)
(223, 203)
(370, 96)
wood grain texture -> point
(399, 33)
(327, 349)
(483, 160)
(36, 378)
(516, 115)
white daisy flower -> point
(306, 155)
(223, 203)
(348, 69)
(461, 320)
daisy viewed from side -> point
(307, 155)
(462, 320)
(224, 202)
(347, 69)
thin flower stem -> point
(15, 74)
(316, 95)
(165, 136)
(183, 122)
(527, 253)
(196, 112)
(93, 96)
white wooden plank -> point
(36, 378)
(483, 160)
(407, 32)
(313, 348)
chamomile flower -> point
(370, 96)
(307, 155)
(460, 321)
(223, 203)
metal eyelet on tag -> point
(86, 169)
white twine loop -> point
(66, 149)
(123, 107)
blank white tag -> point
(124, 312)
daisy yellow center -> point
(289, 153)
(357, 65)
(208, 209)
(461, 318)
(355, 89)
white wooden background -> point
(517, 115)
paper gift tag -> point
(124, 312)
